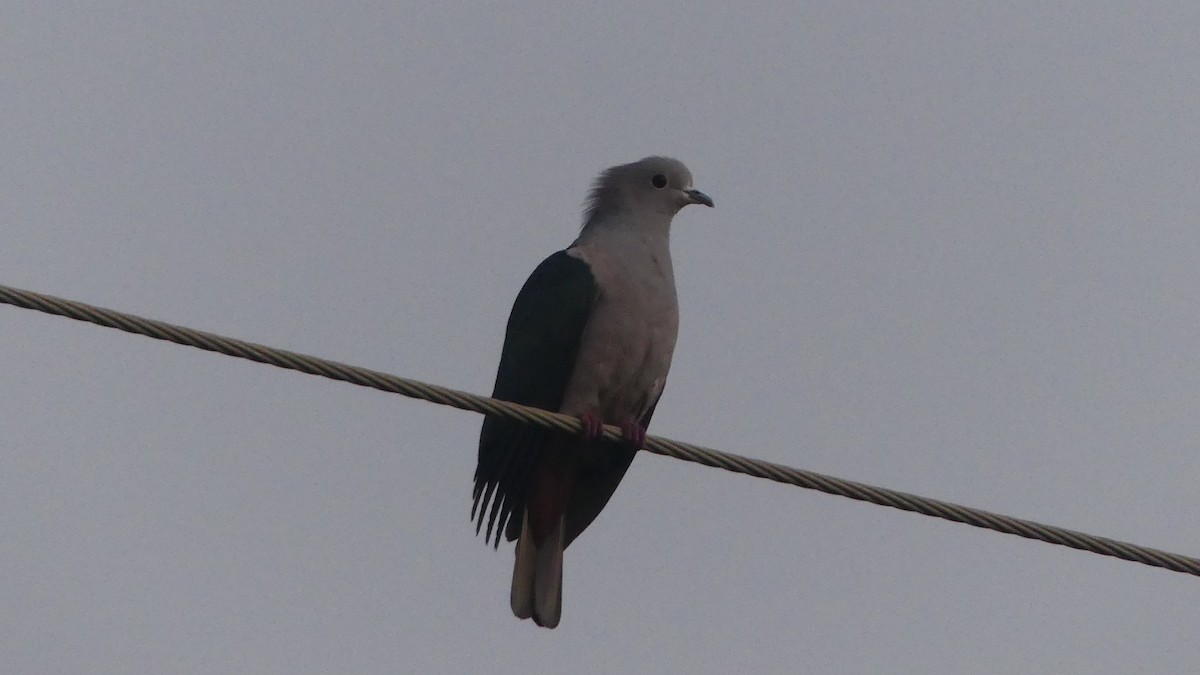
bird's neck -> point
(617, 250)
(652, 237)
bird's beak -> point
(697, 197)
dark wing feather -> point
(541, 345)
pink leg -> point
(593, 426)
(633, 433)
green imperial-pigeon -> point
(591, 334)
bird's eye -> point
(659, 181)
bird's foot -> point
(593, 426)
(633, 433)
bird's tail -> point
(537, 575)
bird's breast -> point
(626, 349)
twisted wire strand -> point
(660, 446)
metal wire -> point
(655, 444)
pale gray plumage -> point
(591, 334)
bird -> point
(591, 334)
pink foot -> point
(633, 433)
(593, 426)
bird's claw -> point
(633, 433)
(593, 426)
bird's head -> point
(655, 186)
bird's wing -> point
(541, 346)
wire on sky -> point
(660, 446)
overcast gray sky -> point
(955, 252)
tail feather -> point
(523, 573)
(537, 576)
